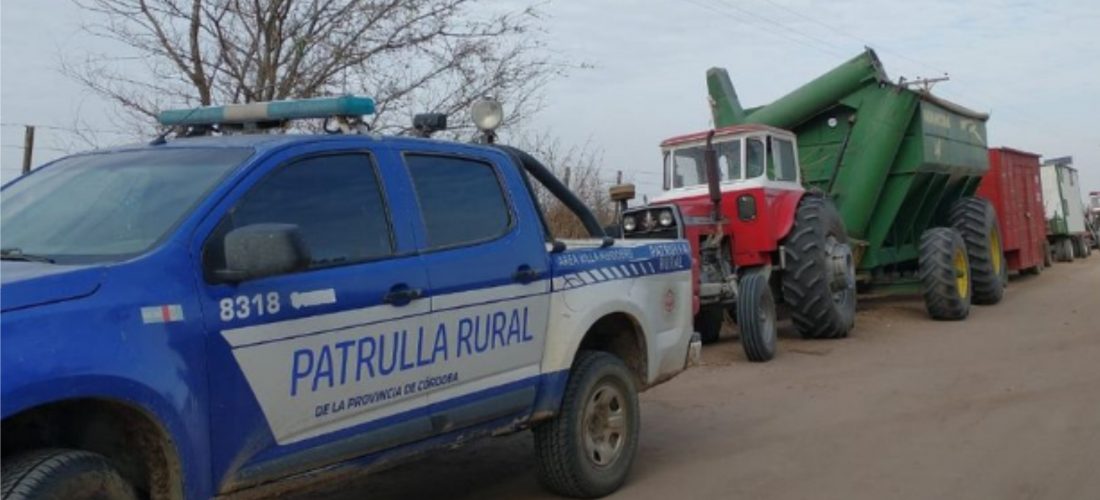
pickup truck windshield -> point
(108, 207)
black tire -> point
(976, 220)
(709, 323)
(1080, 249)
(819, 277)
(1063, 250)
(58, 474)
(565, 464)
(943, 258)
(756, 313)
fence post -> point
(28, 147)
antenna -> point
(925, 84)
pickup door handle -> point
(524, 274)
(401, 295)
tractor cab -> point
(755, 153)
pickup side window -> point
(335, 200)
(461, 200)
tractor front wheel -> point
(756, 316)
(709, 323)
(944, 274)
(819, 281)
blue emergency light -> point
(270, 111)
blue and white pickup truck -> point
(227, 314)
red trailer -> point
(1012, 184)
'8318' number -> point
(245, 306)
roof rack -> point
(347, 112)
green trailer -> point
(902, 167)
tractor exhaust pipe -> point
(710, 158)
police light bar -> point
(269, 111)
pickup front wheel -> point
(63, 474)
(587, 450)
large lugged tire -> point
(756, 316)
(1063, 250)
(709, 323)
(58, 474)
(976, 220)
(1080, 248)
(819, 278)
(586, 451)
(944, 274)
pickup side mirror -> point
(261, 250)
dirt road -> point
(1005, 405)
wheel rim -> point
(995, 250)
(842, 277)
(962, 278)
(605, 426)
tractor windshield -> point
(689, 167)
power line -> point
(44, 148)
(64, 129)
(750, 13)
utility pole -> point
(567, 177)
(28, 148)
(619, 177)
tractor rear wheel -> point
(944, 274)
(819, 281)
(976, 220)
(709, 323)
(756, 316)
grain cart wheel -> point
(586, 451)
(1080, 250)
(819, 280)
(944, 274)
(756, 316)
(976, 220)
(63, 474)
(1063, 251)
(709, 322)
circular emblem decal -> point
(669, 302)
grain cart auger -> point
(849, 179)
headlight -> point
(664, 218)
(487, 114)
(629, 223)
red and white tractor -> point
(758, 236)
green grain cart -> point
(902, 167)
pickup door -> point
(483, 246)
(314, 367)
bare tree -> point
(579, 167)
(411, 55)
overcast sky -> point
(1034, 65)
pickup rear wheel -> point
(819, 278)
(586, 451)
(63, 474)
(944, 274)
(756, 316)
